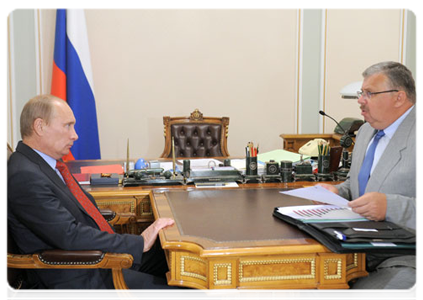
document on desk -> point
(200, 185)
(320, 213)
(318, 193)
(279, 155)
(240, 165)
(202, 163)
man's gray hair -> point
(399, 77)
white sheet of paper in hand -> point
(318, 193)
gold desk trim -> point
(217, 281)
(191, 274)
(144, 212)
(312, 274)
(338, 274)
(354, 264)
(118, 202)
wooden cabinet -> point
(293, 142)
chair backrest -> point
(196, 136)
(13, 277)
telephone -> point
(311, 148)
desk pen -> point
(340, 236)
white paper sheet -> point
(240, 164)
(279, 155)
(200, 185)
(320, 213)
(169, 166)
(202, 163)
(318, 193)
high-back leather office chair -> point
(196, 136)
(62, 259)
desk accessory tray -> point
(253, 178)
(152, 181)
(215, 176)
(271, 178)
(152, 177)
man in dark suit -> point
(382, 186)
(44, 214)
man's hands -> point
(371, 205)
(150, 234)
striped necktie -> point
(76, 190)
(364, 175)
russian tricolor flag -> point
(72, 81)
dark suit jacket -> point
(43, 214)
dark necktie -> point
(364, 175)
(82, 198)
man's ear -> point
(39, 126)
(401, 99)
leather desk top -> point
(237, 215)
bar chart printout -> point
(321, 213)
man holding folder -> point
(382, 180)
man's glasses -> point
(368, 95)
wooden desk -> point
(293, 142)
(280, 256)
(226, 239)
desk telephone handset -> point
(311, 148)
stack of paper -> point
(202, 163)
(337, 209)
(240, 165)
(318, 193)
(320, 213)
(279, 155)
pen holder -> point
(286, 170)
(323, 163)
(251, 165)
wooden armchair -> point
(61, 259)
(196, 136)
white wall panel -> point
(356, 39)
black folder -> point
(362, 236)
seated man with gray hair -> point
(381, 183)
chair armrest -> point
(51, 259)
(62, 259)
(108, 214)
